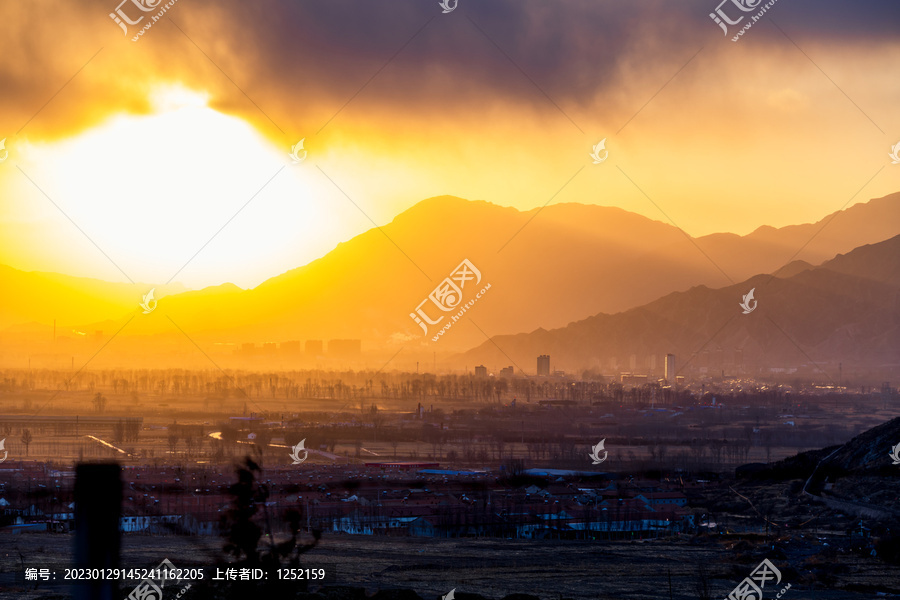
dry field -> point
(640, 570)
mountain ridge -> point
(548, 266)
(836, 312)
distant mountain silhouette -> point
(845, 311)
(547, 267)
(34, 299)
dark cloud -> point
(841, 21)
(573, 51)
(302, 60)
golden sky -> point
(127, 158)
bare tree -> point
(230, 437)
(119, 432)
(132, 430)
(263, 439)
(27, 439)
(702, 586)
(201, 437)
(377, 419)
(99, 402)
(173, 438)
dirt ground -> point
(639, 570)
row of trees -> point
(26, 438)
(347, 385)
(193, 437)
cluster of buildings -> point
(396, 499)
(560, 510)
(543, 370)
(310, 349)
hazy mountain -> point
(847, 310)
(546, 267)
(767, 249)
(34, 299)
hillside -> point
(846, 310)
(34, 299)
(547, 267)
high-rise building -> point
(481, 371)
(507, 372)
(543, 365)
(670, 369)
(339, 348)
(292, 347)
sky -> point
(167, 158)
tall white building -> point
(670, 369)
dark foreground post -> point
(98, 508)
